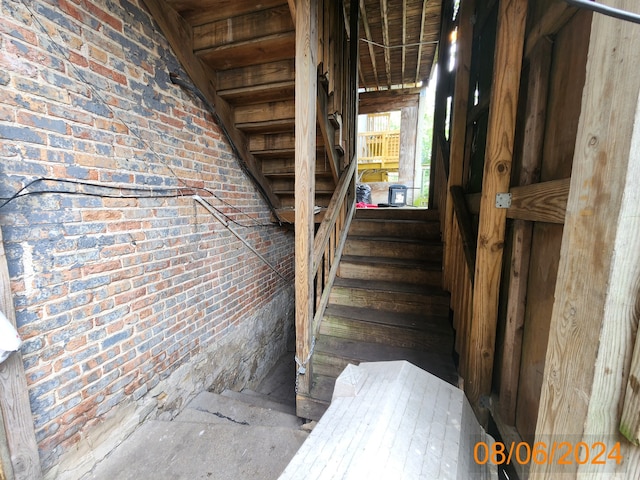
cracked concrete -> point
(234, 435)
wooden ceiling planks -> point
(401, 39)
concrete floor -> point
(236, 435)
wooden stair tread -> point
(434, 324)
(398, 287)
(394, 220)
(397, 213)
(419, 241)
(397, 262)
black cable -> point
(145, 192)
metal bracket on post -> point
(503, 200)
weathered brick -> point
(23, 134)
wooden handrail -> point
(331, 215)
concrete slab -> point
(212, 408)
(189, 451)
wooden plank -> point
(264, 112)
(6, 470)
(595, 313)
(497, 172)
(245, 27)
(305, 110)
(253, 75)
(270, 48)
(384, 13)
(269, 92)
(458, 131)
(15, 408)
(539, 202)
(200, 12)
(533, 143)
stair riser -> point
(412, 230)
(390, 273)
(325, 364)
(390, 301)
(380, 248)
(385, 334)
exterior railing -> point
(379, 148)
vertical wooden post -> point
(354, 46)
(408, 134)
(305, 161)
(458, 126)
(14, 397)
(6, 472)
(536, 111)
(595, 312)
(497, 174)
(440, 107)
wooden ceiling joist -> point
(384, 12)
(421, 39)
(367, 32)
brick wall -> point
(113, 294)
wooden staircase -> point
(386, 303)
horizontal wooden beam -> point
(388, 100)
(539, 202)
(269, 48)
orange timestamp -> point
(543, 453)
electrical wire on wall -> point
(95, 189)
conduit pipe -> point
(605, 10)
(229, 227)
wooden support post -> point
(535, 122)
(14, 397)
(458, 127)
(440, 107)
(407, 160)
(595, 313)
(497, 173)
(306, 94)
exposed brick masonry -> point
(113, 295)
